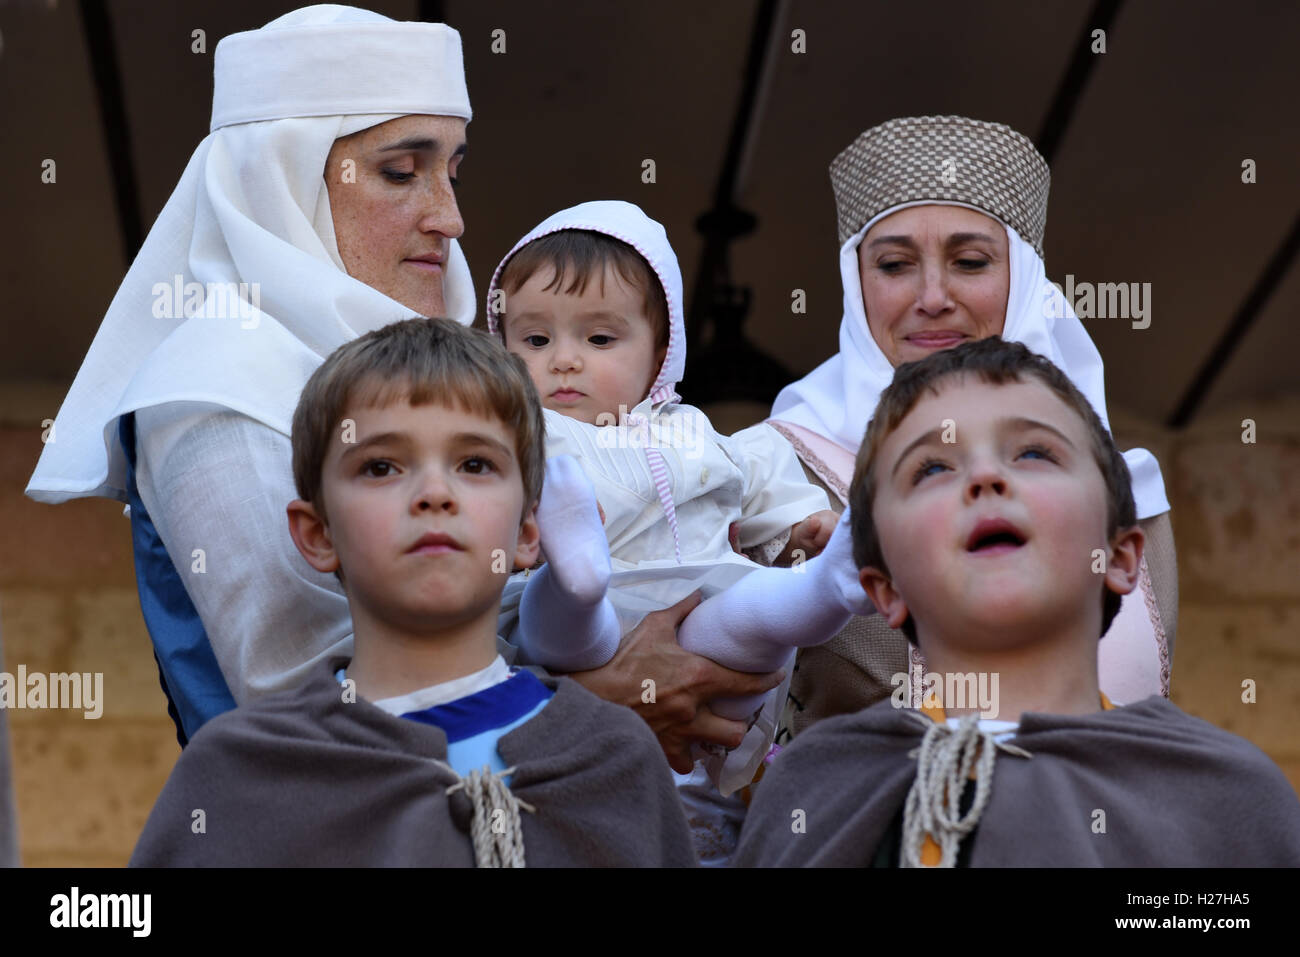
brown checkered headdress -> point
(986, 165)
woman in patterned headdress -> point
(941, 223)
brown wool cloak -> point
(1176, 792)
(303, 778)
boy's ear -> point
(1125, 563)
(312, 536)
(880, 589)
(529, 544)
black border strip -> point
(720, 225)
(1068, 94)
(107, 77)
(1247, 313)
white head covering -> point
(252, 208)
(627, 222)
(837, 398)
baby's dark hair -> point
(995, 361)
(578, 255)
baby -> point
(591, 301)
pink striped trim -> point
(813, 461)
(659, 470)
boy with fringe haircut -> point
(418, 456)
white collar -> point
(434, 695)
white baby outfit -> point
(669, 484)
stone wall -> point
(1236, 517)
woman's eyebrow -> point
(892, 241)
(420, 143)
(953, 240)
(958, 238)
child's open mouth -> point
(994, 536)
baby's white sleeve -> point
(217, 481)
(777, 493)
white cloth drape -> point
(214, 387)
(250, 215)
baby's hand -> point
(810, 536)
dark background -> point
(1146, 143)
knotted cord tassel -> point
(943, 766)
(496, 830)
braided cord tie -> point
(495, 829)
(944, 763)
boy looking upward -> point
(994, 523)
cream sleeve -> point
(216, 483)
(777, 494)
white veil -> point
(247, 239)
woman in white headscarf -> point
(941, 224)
(319, 207)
